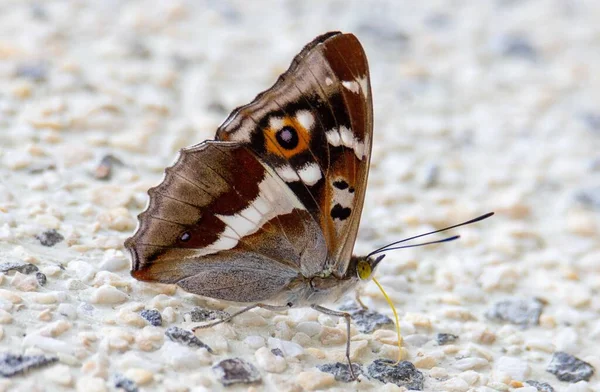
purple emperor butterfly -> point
(267, 213)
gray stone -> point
(569, 368)
(341, 371)
(24, 268)
(523, 312)
(124, 383)
(540, 386)
(41, 278)
(404, 374)
(12, 365)
(236, 371)
(199, 314)
(152, 316)
(366, 320)
(50, 237)
(186, 337)
(445, 338)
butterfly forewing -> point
(313, 127)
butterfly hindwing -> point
(222, 224)
(314, 128)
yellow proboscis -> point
(364, 272)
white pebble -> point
(254, 341)
(289, 349)
(67, 310)
(515, 367)
(470, 363)
(311, 328)
(567, 340)
(55, 329)
(139, 376)
(270, 362)
(106, 294)
(456, 384)
(314, 380)
(91, 384)
(59, 374)
(5, 317)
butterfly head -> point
(365, 266)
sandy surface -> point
(479, 106)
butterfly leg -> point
(348, 318)
(358, 300)
(274, 308)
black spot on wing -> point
(340, 184)
(339, 212)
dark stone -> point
(104, 169)
(41, 278)
(124, 383)
(19, 267)
(50, 237)
(152, 316)
(540, 386)
(12, 365)
(186, 338)
(523, 312)
(569, 368)
(592, 120)
(404, 374)
(236, 371)
(445, 338)
(589, 198)
(366, 320)
(277, 351)
(200, 314)
(341, 371)
(35, 72)
(518, 46)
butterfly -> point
(267, 214)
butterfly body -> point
(268, 212)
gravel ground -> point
(479, 105)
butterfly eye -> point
(185, 237)
(363, 269)
(287, 137)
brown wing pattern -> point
(314, 127)
(221, 218)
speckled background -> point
(479, 106)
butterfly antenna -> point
(390, 246)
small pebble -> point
(41, 278)
(107, 294)
(470, 363)
(366, 320)
(152, 316)
(456, 384)
(269, 361)
(139, 376)
(403, 374)
(315, 380)
(50, 237)
(12, 365)
(568, 368)
(540, 386)
(199, 314)
(123, 383)
(341, 371)
(186, 338)
(236, 371)
(24, 268)
(523, 312)
(104, 169)
(516, 368)
(445, 338)
(91, 384)
(254, 341)
(289, 349)
(59, 374)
